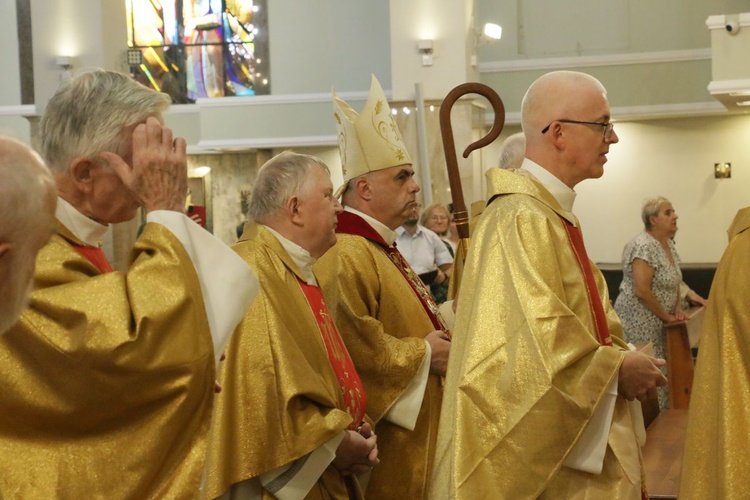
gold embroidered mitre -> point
(368, 141)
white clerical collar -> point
(87, 230)
(557, 188)
(299, 255)
(385, 232)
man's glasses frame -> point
(608, 127)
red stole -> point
(352, 390)
(350, 223)
(595, 301)
(96, 256)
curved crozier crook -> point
(449, 147)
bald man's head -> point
(565, 117)
(27, 209)
(553, 96)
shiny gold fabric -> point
(383, 325)
(108, 379)
(280, 398)
(457, 270)
(716, 459)
(526, 370)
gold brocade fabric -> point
(280, 398)
(526, 370)
(383, 324)
(457, 270)
(108, 379)
(716, 459)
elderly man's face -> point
(318, 210)
(588, 146)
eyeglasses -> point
(608, 127)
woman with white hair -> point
(652, 290)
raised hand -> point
(157, 176)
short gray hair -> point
(651, 207)
(513, 151)
(281, 178)
(87, 116)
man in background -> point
(387, 318)
(27, 209)
(424, 250)
(108, 377)
(290, 418)
(512, 152)
(511, 156)
(537, 390)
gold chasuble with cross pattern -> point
(527, 369)
(288, 384)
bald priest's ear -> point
(556, 137)
(556, 131)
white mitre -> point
(368, 141)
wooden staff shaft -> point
(461, 215)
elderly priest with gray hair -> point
(108, 377)
(290, 420)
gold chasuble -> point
(108, 378)
(283, 395)
(527, 369)
(716, 459)
(383, 320)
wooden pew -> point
(680, 358)
(665, 435)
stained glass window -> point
(199, 48)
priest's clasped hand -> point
(440, 344)
(639, 372)
(358, 451)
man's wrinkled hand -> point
(639, 373)
(356, 454)
(158, 174)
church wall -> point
(338, 44)
(10, 85)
